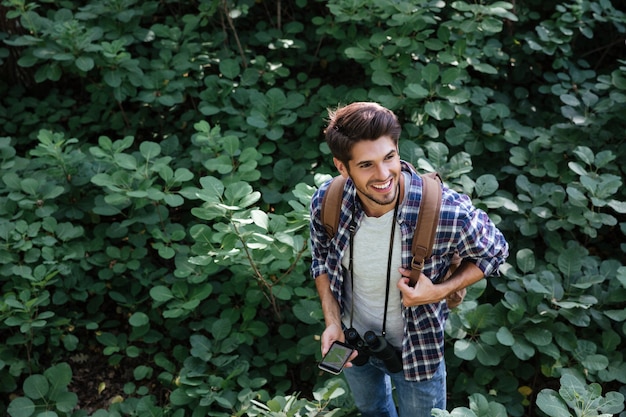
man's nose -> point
(382, 171)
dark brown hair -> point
(359, 121)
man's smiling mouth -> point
(383, 186)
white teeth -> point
(382, 187)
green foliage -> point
(292, 406)
(157, 160)
(46, 394)
(585, 400)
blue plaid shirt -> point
(461, 227)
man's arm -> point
(425, 292)
(332, 313)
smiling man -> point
(362, 273)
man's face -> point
(375, 170)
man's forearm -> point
(330, 306)
(465, 275)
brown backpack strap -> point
(427, 221)
(331, 205)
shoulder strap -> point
(331, 205)
(427, 220)
(429, 212)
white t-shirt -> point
(371, 256)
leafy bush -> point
(158, 159)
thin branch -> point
(232, 27)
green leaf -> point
(125, 161)
(585, 154)
(465, 349)
(200, 347)
(595, 363)
(142, 372)
(505, 336)
(551, 403)
(229, 68)
(84, 63)
(570, 261)
(382, 78)
(212, 190)
(415, 91)
(149, 150)
(36, 386)
(256, 328)
(139, 319)
(538, 336)
(65, 402)
(21, 407)
(221, 328)
(308, 311)
(30, 186)
(231, 145)
(59, 375)
(440, 110)
(486, 185)
(430, 73)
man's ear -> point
(341, 167)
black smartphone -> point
(336, 357)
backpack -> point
(423, 237)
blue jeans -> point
(371, 386)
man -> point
(363, 276)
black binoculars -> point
(373, 345)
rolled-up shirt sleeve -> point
(481, 241)
(318, 240)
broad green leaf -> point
(382, 78)
(21, 407)
(484, 68)
(522, 349)
(142, 372)
(358, 54)
(440, 110)
(125, 161)
(260, 218)
(551, 403)
(430, 73)
(538, 336)
(525, 260)
(256, 328)
(221, 328)
(149, 150)
(66, 401)
(595, 363)
(212, 189)
(30, 186)
(139, 319)
(308, 311)
(231, 145)
(570, 261)
(505, 336)
(585, 154)
(84, 63)
(229, 68)
(282, 292)
(276, 100)
(465, 349)
(36, 386)
(486, 185)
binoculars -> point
(373, 345)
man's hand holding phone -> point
(336, 358)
